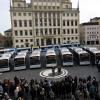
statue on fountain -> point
(53, 71)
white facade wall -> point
(90, 34)
(47, 19)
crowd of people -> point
(68, 88)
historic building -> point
(44, 22)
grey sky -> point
(88, 9)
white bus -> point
(67, 57)
(5, 62)
(34, 59)
(51, 60)
(20, 60)
(94, 54)
(81, 57)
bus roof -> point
(36, 53)
(22, 54)
(81, 52)
(5, 56)
(97, 51)
(50, 52)
(65, 51)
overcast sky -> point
(88, 9)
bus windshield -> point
(34, 61)
(4, 63)
(84, 57)
(67, 58)
(51, 59)
(19, 62)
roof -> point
(9, 30)
(90, 23)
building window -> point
(26, 32)
(15, 23)
(45, 22)
(72, 31)
(64, 32)
(54, 40)
(68, 31)
(25, 23)
(58, 40)
(22, 46)
(54, 22)
(67, 14)
(14, 14)
(16, 33)
(26, 40)
(29, 14)
(36, 22)
(31, 40)
(42, 42)
(37, 42)
(67, 22)
(19, 14)
(37, 32)
(41, 31)
(75, 22)
(49, 21)
(50, 31)
(30, 32)
(21, 33)
(41, 22)
(75, 14)
(58, 30)
(58, 21)
(17, 46)
(16, 41)
(36, 15)
(54, 31)
(46, 31)
(76, 38)
(45, 14)
(54, 15)
(68, 38)
(71, 14)
(76, 31)
(30, 23)
(63, 14)
(20, 23)
(64, 38)
(64, 23)
(24, 14)
(72, 38)
(21, 40)
(71, 22)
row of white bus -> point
(24, 59)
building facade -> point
(44, 22)
(90, 33)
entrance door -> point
(49, 42)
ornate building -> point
(44, 22)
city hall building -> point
(44, 22)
